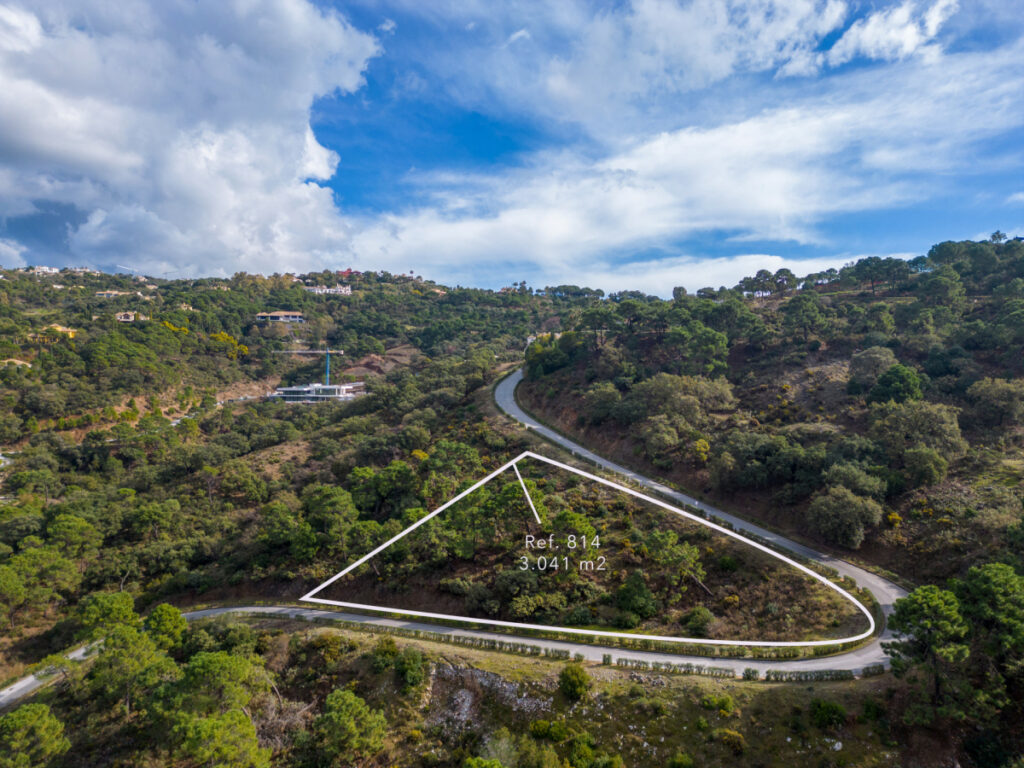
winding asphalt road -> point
(886, 592)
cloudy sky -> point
(640, 144)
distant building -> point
(84, 270)
(111, 294)
(130, 317)
(319, 393)
(281, 316)
(53, 333)
(346, 273)
(61, 329)
(44, 270)
(323, 290)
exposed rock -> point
(457, 695)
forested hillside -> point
(877, 409)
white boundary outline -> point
(309, 597)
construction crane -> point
(326, 352)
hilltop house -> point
(319, 393)
(323, 290)
(53, 329)
(130, 317)
(281, 316)
(53, 333)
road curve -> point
(30, 684)
(885, 591)
(854, 660)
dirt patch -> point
(251, 389)
(378, 365)
(270, 460)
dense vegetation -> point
(875, 409)
(230, 693)
(628, 565)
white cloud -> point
(872, 143)
(1017, 198)
(11, 254)
(519, 34)
(617, 67)
(19, 30)
(181, 130)
(893, 33)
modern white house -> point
(323, 290)
(281, 316)
(319, 393)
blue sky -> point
(638, 145)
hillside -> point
(876, 410)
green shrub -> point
(723, 703)
(924, 466)
(840, 516)
(899, 383)
(410, 668)
(873, 711)
(558, 731)
(540, 729)
(574, 681)
(731, 739)
(626, 620)
(579, 615)
(698, 620)
(681, 760)
(635, 597)
(384, 654)
(827, 714)
(728, 563)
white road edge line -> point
(309, 597)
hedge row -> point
(808, 676)
(682, 669)
(481, 643)
(527, 649)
